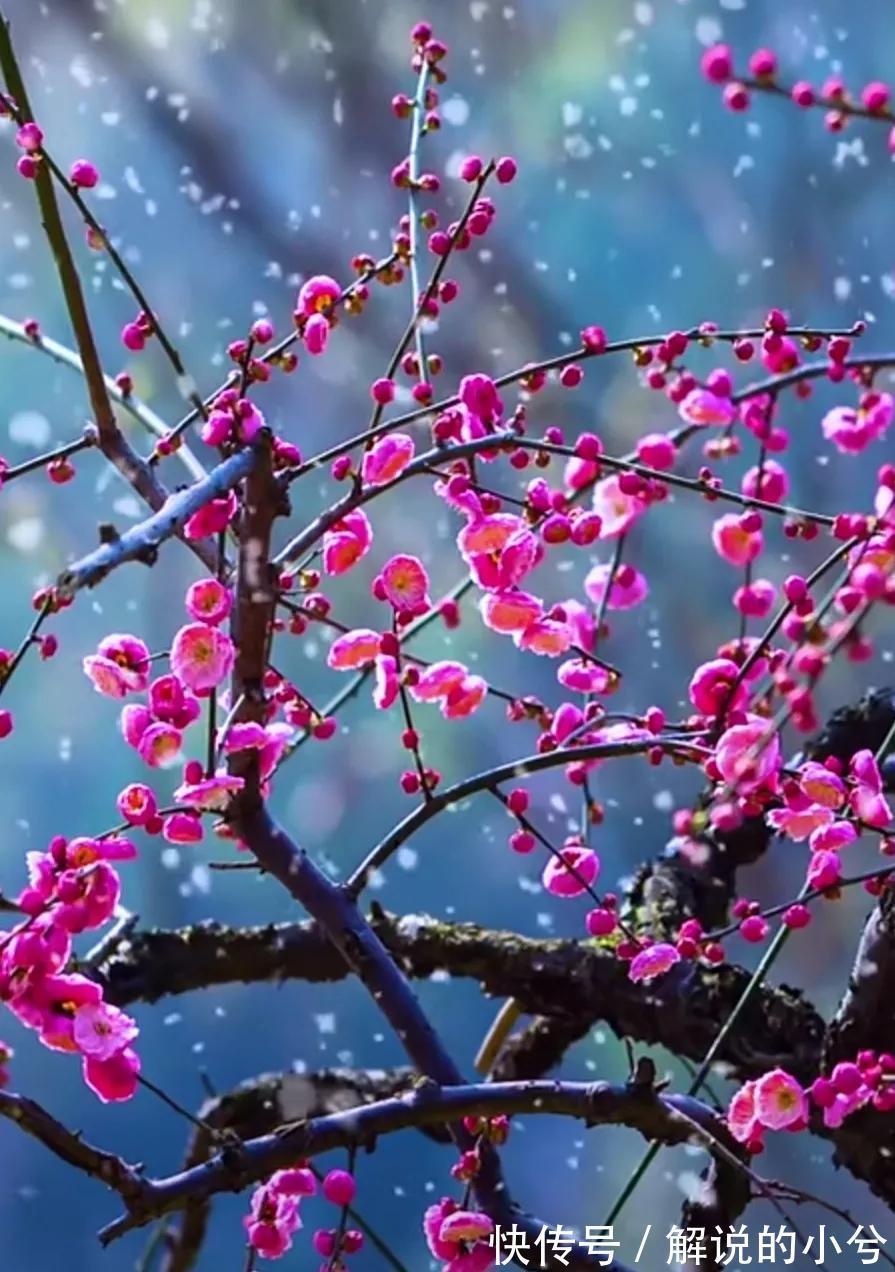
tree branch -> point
(638, 1106)
(142, 541)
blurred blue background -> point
(243, 147)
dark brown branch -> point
(577, 984)
(257, 1108)
(71, 1148)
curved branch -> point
(142, 541)
(669, 1118)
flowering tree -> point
(656, 960)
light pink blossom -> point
(201, 656)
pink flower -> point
(316, 334)
(510, 611)
(628, 589)
(159, 745)
(822, 785)
(213, 793)
(386, 685)
(99, 1030)
(405, 585)
(208, 601)
(779, 1100)
(711, 685)
(354, 649)
(572, 873)
(547, 637)
(135, 719)
(824, 869)
(137, 804)
(465, 698)
(500, 550)
(734, 541)
(748, 755)
(387, 458)
(866, 798)
(741, 1118)
(831, 836)
(83, 174)
(347, 542)
(701, 406)
(115, 1078)
(585, 677)
(798, 822)
(318, 295)
(851, 431)
(438, 680)
(460, 1238)
(652, 962)
(212, 517)
(201, 656)
(182, 828)
(770, 481)
(479, 395)
(30, 138)
(617, 511)
(170, 703)
(120, 666)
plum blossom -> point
(500, 550)
(387, 458)
(628, 588)
(866, 798)
(212, 793)
(547, 636)
(780, 1101)
(510, 611)
(852, 430)
(211, 518)
(617, 510)
(582, 676)
(734, 540)
(405, 585)
(386, 683)
(572, 872)
(317, 295)
(347, 542)
(748, 755)
(353, 650)
(654, 961)
(741, 1116)
(459, 1238)
(464, 698)
(100, 1030)
(113, 1078)
(120, 666)
(437, 681)
(209, 601)
(710, 688)
(159, 745)
(702, 406)
(201, 656)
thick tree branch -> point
(669, 1118)
(142, 541)
(71, 1148)
(257, 1108)
(576, 984)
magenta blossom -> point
(201, 656)
(654, 961)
